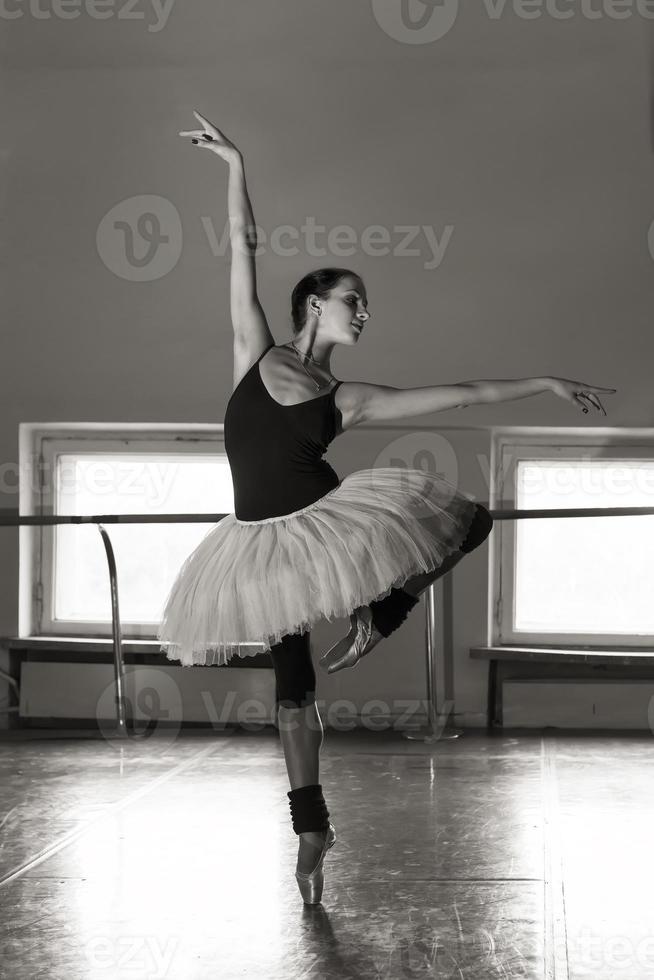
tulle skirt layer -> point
(253, 582)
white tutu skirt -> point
(254, 581)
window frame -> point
(509, 446)
(39, 446)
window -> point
(584, 581)
(86, 469)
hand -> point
(211, 138)
(578, 393)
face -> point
(345, 312)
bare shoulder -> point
(352, 399)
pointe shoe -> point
(311, 883)
(348, 651)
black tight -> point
(294, 673)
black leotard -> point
(275, 451)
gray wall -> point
(523, 144)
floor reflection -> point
(484, 857)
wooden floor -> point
(523, 855)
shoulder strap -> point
(336, 413)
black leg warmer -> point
(308, 810)
(389, 613)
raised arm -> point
(251, 331)
(248, 318)
(377, 403)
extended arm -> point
(377, 403)
(381, 402)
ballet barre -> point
(438, 725)
(437, 720)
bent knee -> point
(480, 528)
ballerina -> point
(303, 545)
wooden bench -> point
(525, 663)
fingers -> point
(591, 398)
(199, 135)
(202, 139)
(582, 384)
(205, 122)
(594, 400)
(209, 126)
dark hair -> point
(318, 283)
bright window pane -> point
(148, 556)
(584, 575)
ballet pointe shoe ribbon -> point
(361, 639)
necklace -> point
(303, 354)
